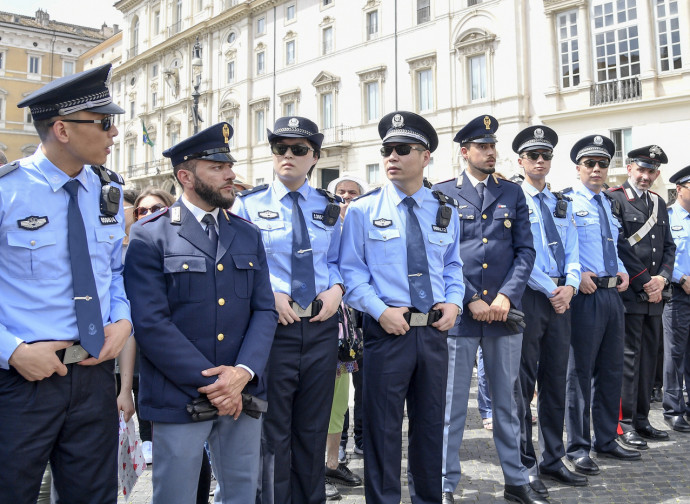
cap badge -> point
(293, 122)
(539, 133)
(398, 121)
(654, 151)
(598, 140)
(226, 133)
(107, 79)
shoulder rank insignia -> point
(268, 214)
(373, 191)
(32, 223)
(383, 223)
(256, 189)
(8, 168)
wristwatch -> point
(474, 298)
(682, 280)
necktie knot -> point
(295, 196)
(597, 197)
(409, 201)
(209, 220)
(72, 187)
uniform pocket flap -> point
(31, 239)
(384, 234)
(504, 213)
(246, 261)
(267, 225)
(109, 235)
(182, 264)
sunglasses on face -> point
(298, 149)
(402, 149)
(591, 163)
(534, 155)
(105, 123)
(141, 211)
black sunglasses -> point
(402, 149)
(139, 212)
(591, 163)
(534, 155)
(105, 123)
(298, 149)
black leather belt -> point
(416, 319)
(559, 281)
(609, 282)
(312, 309)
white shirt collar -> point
(197, 212)
(475, 181)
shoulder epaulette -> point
(107, 175)
(560, 196)
(566, 190)
(444, 199)
(8, 168)
(332, 198)
(444, 181)
(154, 216)
(517, 179)
(253, 190)
(499, 180)
(240, 218)
(614, 189)
(373, 191)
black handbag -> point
(350, 340)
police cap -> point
(87, 90)
(481, 129)
(211, 144)
(295, 127)
(681, 176)
(535, 137)
(651, 157)
(407, 127)
(592, 145)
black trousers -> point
(642, 334)
(357, 429)
(70, 420)
(676, 321)
(545, 344)
(300, 375)
(412, 368)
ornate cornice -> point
(291, 95)
(259, 104)
(476, 43)
(373, 74)
(551, 6)
(422, 61)
(326, 82)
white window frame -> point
(261, 25)
(260, 62)
(367, 78)
(477, 75)
(230, 76)
(291, 6)
(568, 48)
(609, 34)
(330, 48)
(420, 6)
(668, 32)
(156, 21)
(67, 62)
(288, 60)
(33, 75)
(471, 44)
(373, 169)
(371, 34)
(419, 64)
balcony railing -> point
(174, 29)
(148, 169)
(227, 4)
(133, 51)
(615, 91)
(338, 135)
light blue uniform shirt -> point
(373, 255)
(271, 211)
(679, 220)
(589, 230)
(35, 271)
(545, 266)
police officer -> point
(204, 317)
(401, 264)
(595, 362)
(648, 254)
(63, 300)
(301, 233)
(552, 284)
(498, 255)
(676, 317)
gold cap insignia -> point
(487, 122)
(226, 133)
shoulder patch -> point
(444, 199)
(373, 191)
(253, 190)
(567, 190)
(107, 175)
(8, 168)
(154, 216)
(332, 198)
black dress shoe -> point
(585, 465)
(538, 486)
(678, 423)
(565, 476)
(448, 498)
(523, 494)
(620, 453)
(650, 432)
(343, 476)
(633, 440)
(657, 395)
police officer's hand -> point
(654, 287)
(625, 281)
(686, 286)
(331, 299)
(561, 298)
(286, 315)
(499, 308)
(587, 286)
(38, 360)
(450, 314)
(393, 322)
(223, 394)
(116, 335)
(480, 310)
(125, 403)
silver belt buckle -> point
(418, 319)
(74, 353)
(555, 280)
(301, 312)
(612, 282)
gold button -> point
(221, 337)
(220, 267)
(485, 292)
(185, 266)
(485, 240)
(483, 216)
(251, 264)
(221, 301)
(33, 242)
(505, 215)
(485, 265)
(112, 236)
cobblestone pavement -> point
(663, 475)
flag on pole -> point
(146, 140)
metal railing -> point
(338, 135)
(615, 91)
(174, 28)
(148, 169)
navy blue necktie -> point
(555, 243)
(610, 261)
(480, 191)
(86, 302)
(210, 222)
(421, 294)
(302, 265)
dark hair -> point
(162, 195)
(130, 195)
(43, 127)
(187, 165)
